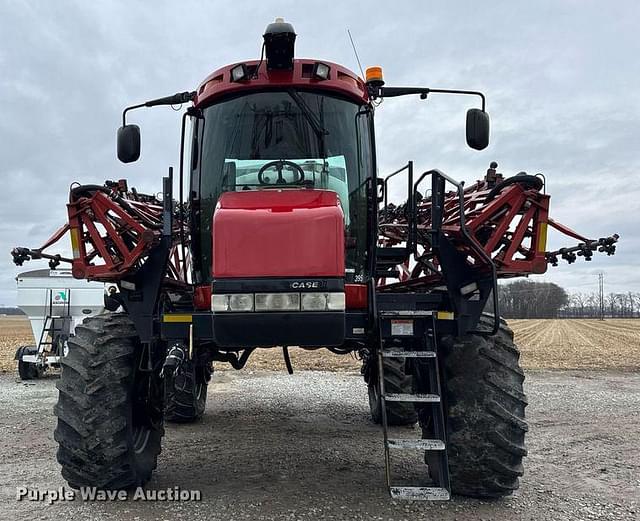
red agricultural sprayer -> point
(282, 235)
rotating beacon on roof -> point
(282, 235)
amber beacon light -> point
(374, 76)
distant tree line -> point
(614, 305)
(528, 299)
(10, 311)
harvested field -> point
(578, 344)
(545, 344)
(15, 331)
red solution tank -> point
(278, 233)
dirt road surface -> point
(274, 446)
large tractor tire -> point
(109, 411)
(485, 405)
(396, 380)
(186, 393)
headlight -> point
(277, 301)
(234, 302)
(312, 301)
(322, 302)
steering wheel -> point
(279, 165)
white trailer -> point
(55, 304)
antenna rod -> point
(356, 53)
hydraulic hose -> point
(287, 359)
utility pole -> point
(601, 294)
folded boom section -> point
(496, 221)
(112, 232)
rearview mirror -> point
(379, 189)
(128, 142)
(477, 129)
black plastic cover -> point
(128, 143)
(477, 129)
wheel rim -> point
(146, 414)
(141, 437)
(375, 404)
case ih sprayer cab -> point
(286, 238)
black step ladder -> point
(55, 323)
(397, 327)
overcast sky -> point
(562, 80)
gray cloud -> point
(561, 77)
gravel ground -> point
(274, 446)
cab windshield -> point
(284, 139)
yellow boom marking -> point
(177, 318)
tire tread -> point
(486, 412)
(93, 411)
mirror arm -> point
(391, 92)
(124, 112)
(176, 99)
